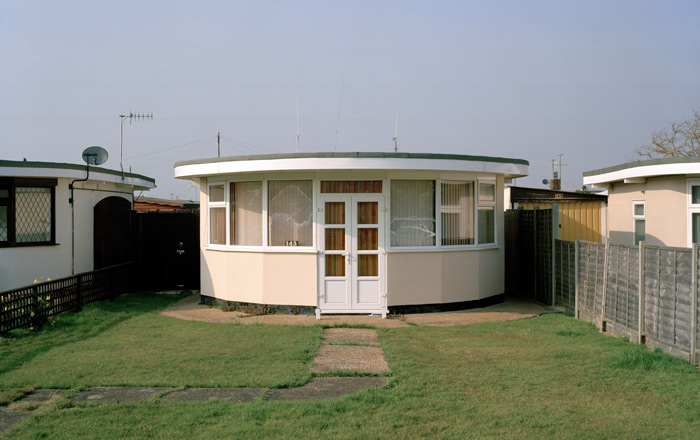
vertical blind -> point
(246, 213)
(413, 213)
(457, 207)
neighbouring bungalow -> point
(657, 201)
(49, 231)
(352, 232)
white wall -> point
(20, 266)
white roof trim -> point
(64, 173)
(190, 171)
(643, 172)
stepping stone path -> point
(342, 350)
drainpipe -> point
(72, 220)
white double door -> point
(351, 275)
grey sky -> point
(530, 80)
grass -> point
(128, 343)
(545, 377)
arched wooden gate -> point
(112, 232)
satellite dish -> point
(95, 155)
(545, 182)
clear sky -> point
(523, 79)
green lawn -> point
(545, 377)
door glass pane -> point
(367, 239)
(368, 265)
(335, 239)
(367, 213)
(639, 209)
(335, 265)
(335, 213)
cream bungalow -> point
(352, 232)
(47, 230)
(656, 200)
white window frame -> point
(692, 208)
(636, 217)
(486, 204)
(222, 204)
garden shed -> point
(49, 231)
(352, 232)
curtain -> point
(413, 213)
(290, 212)
(246, 213)
(457, 213)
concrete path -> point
(342, 351)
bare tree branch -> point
(682, 139)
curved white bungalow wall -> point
(425, 275)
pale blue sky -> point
(530, 80)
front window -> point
(27, 212)
(639, 218)
(217, 214)
(290, 212)
(246, 213)
(412, 213)
(457, 213)
(486, 216)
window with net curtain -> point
(457, 213)
(412, 213)
(290, 212)
(246, 213)
(217, 215)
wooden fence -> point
(19, 307)
(646, 293)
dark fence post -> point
(112, 290)
(34, 317)
(79, 293)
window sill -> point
(278, 250)
(25, 245)
(483, 247)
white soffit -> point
(641, 173)
(347, 163)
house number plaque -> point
(291, 243)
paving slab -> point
(42, 395)
(238, 395)
(362, 336)
(10, 417)
(327, 388)
(118, 394)
(365, 359)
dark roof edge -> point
(68, 166)
(642, 163)
(359, 155)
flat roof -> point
(350, 161)
(644, 168)
(25, 168)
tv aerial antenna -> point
(396, 135)
(131, 117)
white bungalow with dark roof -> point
(43, 233)
(352, 232)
